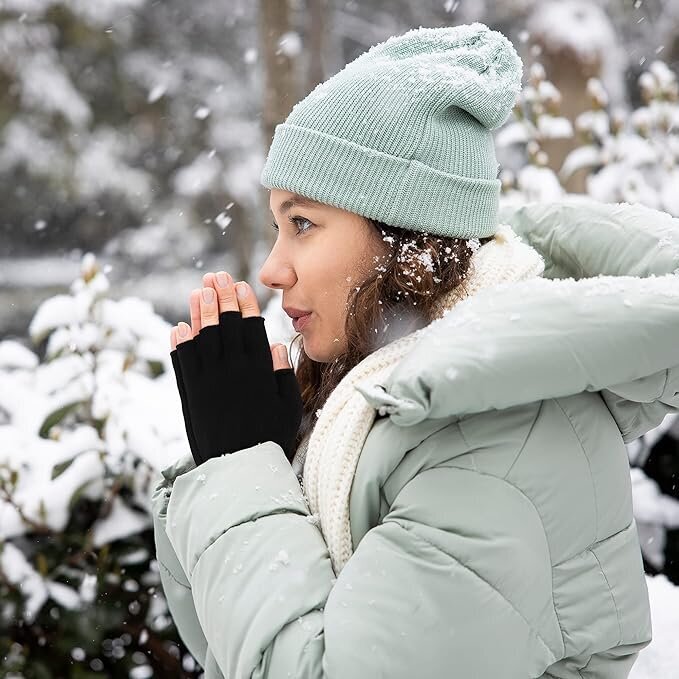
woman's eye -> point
(297, 220)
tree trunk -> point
(279, 96)
(280, 90)
(569, 76)
(316, 71)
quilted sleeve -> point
(640, 405)
(427, 593)
(176, 587)
(582, 237)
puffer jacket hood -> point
(611, 272)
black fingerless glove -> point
(231, 396)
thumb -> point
(279, 353)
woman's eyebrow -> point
(299, 201)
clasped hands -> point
(236, 390)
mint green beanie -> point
(402, 134)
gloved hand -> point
(231, 396)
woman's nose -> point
(276, 273)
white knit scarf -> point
(335, 443)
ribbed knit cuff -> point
(396, 191)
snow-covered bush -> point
(628, 155)
(83, 432)
(655, 487)
(632, 157)
(536, 119)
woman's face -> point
(320, 254)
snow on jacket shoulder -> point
(491, 512)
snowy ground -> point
(660, 660)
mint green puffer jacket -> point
(491, 510)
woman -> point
(458, 416)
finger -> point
(173, 338)
(183, 332)
(255, 345)
(226, 292)
(288, 388)
(246, 300)
(255, 339)
(194, 308)
(190, 435)
(279, 353)
(231, 329)
(187, 353)
(209, 311)
(210, 342)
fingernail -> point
(222, 279)
(183, 329)
(282, 352)
(208, 295)
(242, 289)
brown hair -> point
(397, 298)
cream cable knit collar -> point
(334, 446)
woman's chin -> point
(314, 353)
(320, 352)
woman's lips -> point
(299, 323)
